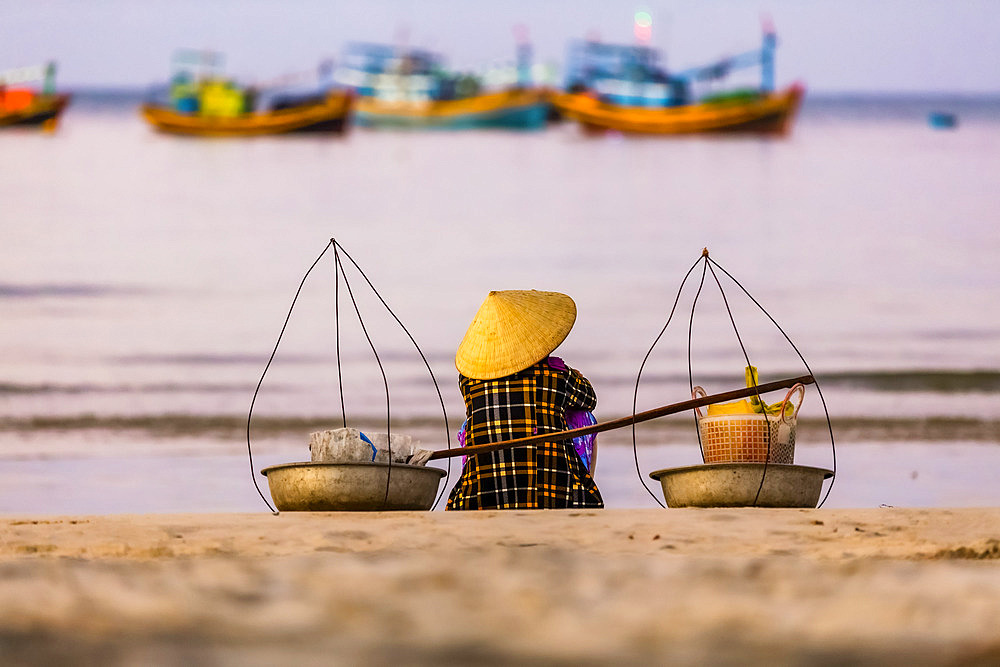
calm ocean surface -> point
(145, 278)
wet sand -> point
(689, 587)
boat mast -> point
(524, 55)
(767, 57)
(49, 82)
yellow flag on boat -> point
(748, 406)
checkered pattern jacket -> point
(540, 476)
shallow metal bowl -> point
(352, 487)
(736, 485)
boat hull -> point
(43, 111)
(768, 114)
(331, 115)
(513, 109)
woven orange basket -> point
(749, 438)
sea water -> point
(146, 278)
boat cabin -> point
(400, 74)
(628, 75)
(632, 75)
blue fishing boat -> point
(411, 88)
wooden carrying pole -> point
(626, 421)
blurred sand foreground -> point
(746, 586)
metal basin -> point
(736, 485)
(352, 487)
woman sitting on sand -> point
(513, 389)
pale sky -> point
(868, 46)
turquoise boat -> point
(410, 88)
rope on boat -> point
(709, 264)
(340, 273)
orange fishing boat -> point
(328, 113)
(624, 88)
(764, 112)
(201, 102)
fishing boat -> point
(514, 109)
(765, 113)
(624, 88)
(326, 114)
(203, 103)
(22, 105)
(942, 120)
(410, 88)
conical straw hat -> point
(514, 329)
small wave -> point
(260, 359)
(856, 429)
(943, 381)
(959, 335)
(155, 388)
(408, 355)
(209, 359)
(936, 380)
(212, 426)
(664, 431)
(67, 290)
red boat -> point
(20, 104)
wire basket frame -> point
(341, 274)
(782, 432)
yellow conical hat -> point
(514, 329)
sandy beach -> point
(743, 586)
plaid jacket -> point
(540, 476)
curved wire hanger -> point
(341, 274)
(709, 265)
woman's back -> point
(546, 475)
